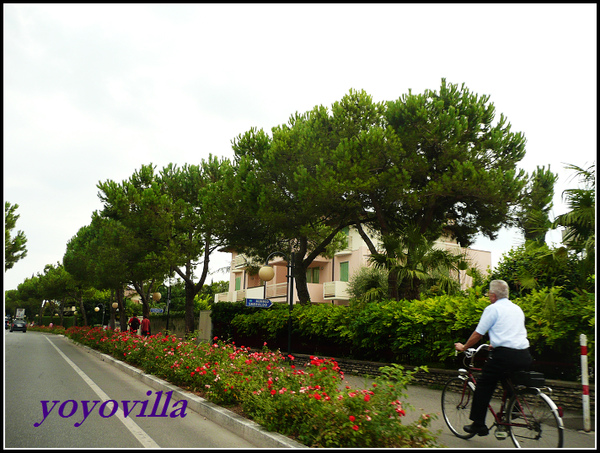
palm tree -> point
(368, 285)
(413, 261)
(579, 222)
(536, 203)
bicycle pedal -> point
(500, 434)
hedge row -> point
(410, 332)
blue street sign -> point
(156, 310)
(261, 303)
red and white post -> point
(585, 384)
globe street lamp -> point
(113, 322)
(266, 274)
(97, 310)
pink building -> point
(327, 278)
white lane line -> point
(139, 433)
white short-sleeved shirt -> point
(505, 322)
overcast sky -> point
(93, 91)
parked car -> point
(18, 324)
(6, 322)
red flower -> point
(352, 418)
(367, 398)
(355, 427)
(317, 396)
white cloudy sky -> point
(93, 91)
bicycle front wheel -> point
(534, 421)
(457, 397)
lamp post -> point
(113, 322)
(97, 310)
(266, 273)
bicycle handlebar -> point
(472, 351)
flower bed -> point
(303, 401)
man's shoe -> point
(476, 428)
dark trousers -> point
(500, 362)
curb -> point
(246, 429)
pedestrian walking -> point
(146, 326)
(134, 324)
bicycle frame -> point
(469, 378)
(526, 414)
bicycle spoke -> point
(457, 397)
(533, 423)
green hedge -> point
(410, 332)
(68, 321)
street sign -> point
(261, 303)
(156, 310)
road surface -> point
(428, 401)
(49, 368)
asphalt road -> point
(41, 367)
(428, 401)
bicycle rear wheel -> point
(457, 397)
(534, 421)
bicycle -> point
(527, 415)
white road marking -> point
(138, 433)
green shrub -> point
(414, 332)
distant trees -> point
(105, 255)
(14, 246)
(407, 172)
(174, 220)
(571, 266)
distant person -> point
(145, 326)
(134, 324)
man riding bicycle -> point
(505, 323)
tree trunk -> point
(111, 310)
(144, 295)
(120, 294)
(393, 285)
(300, 281)
(192, 289)
(299, 273)
(61, 312)
(190, 294)
(302, 261)
(410, 291)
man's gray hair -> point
(499, 288)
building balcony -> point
(230, 296)
(335, 290)
(256, 292)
